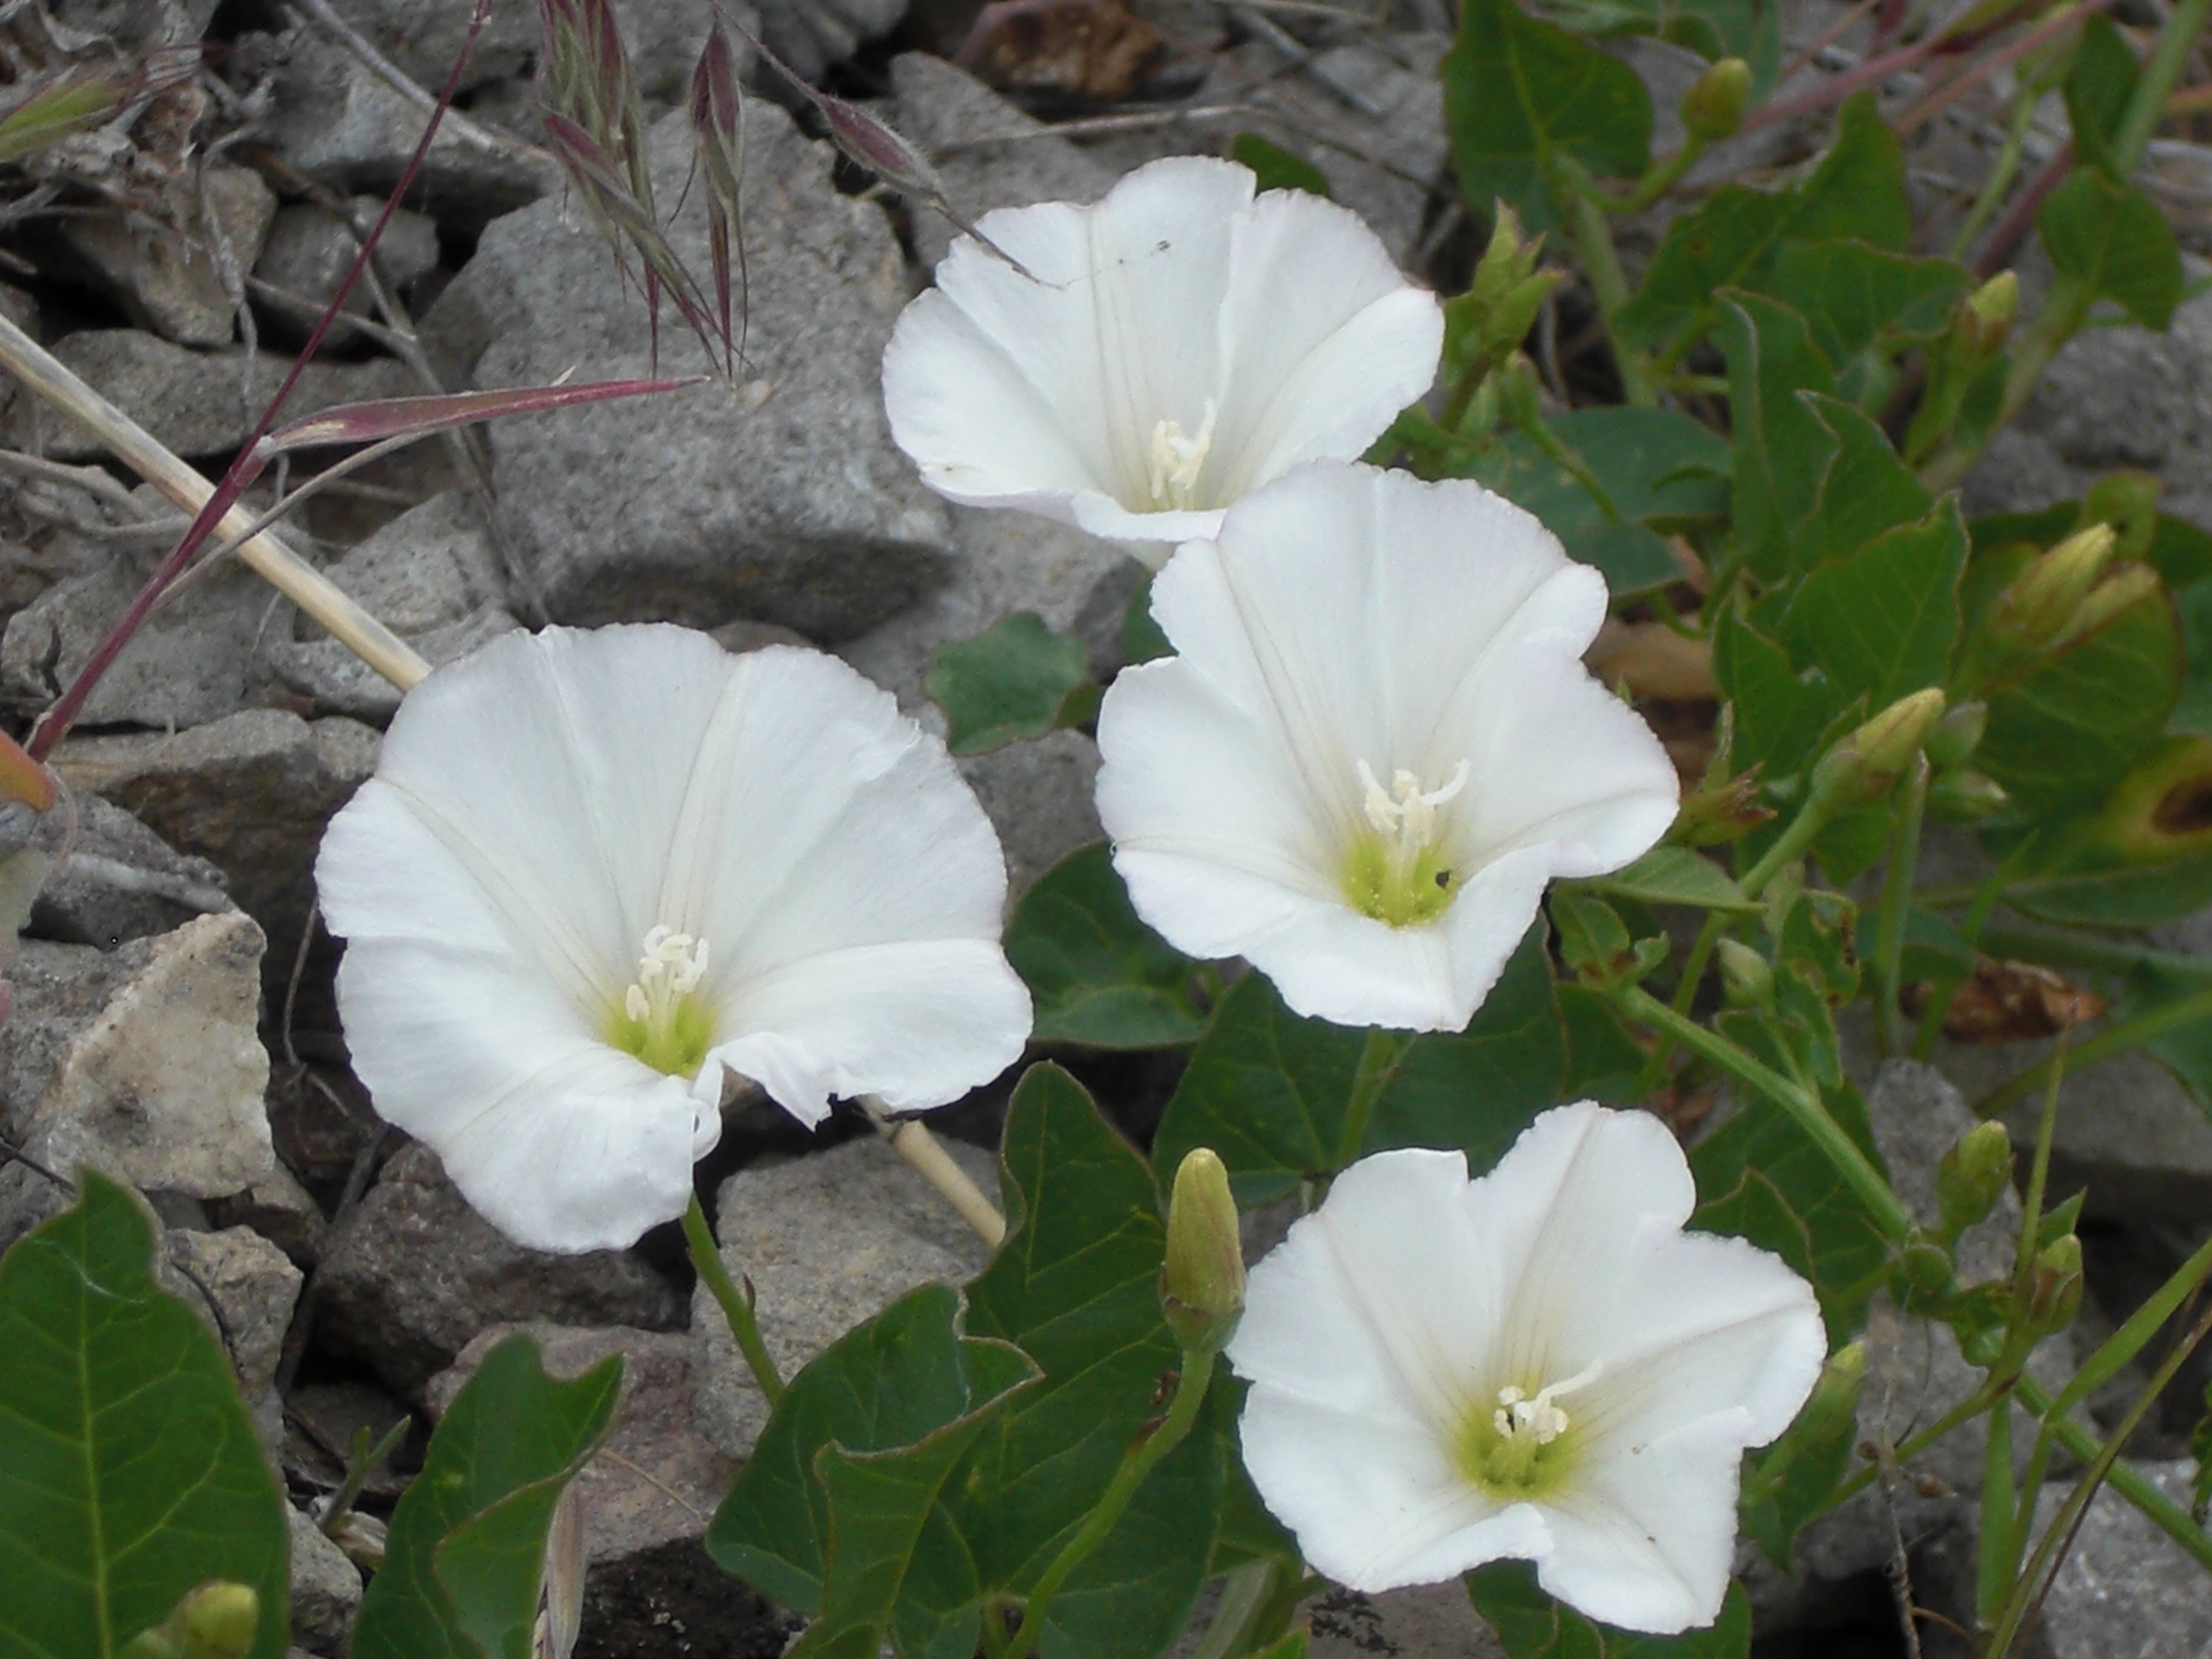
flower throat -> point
(662, 1021)
(1397, 873)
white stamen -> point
(1517, 1414)
(1177, 460)
(1403, 811)
(671, 967)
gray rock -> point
(195, 403)
(251, 794)
(413, 1274)
(781, 499)
(338, 682)
(325, 1588)
(185, 284)
(810, 35)
(117, 880)
(2126, 1590)
(940, 107)
(158, 1081)
(310, 248)
(135, 22)
(247, 1289)
(1038, 795)
(432, 566)
(197, 659)
(650, 1587)
(281, 1211)
(1427, 1621)
(827, 1240)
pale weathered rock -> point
(248, 1288)
(1426, 1621)
(281, 1211)
(1038, 795)
(827, 1240)
(650, 1588)
(250, 793)
(433, 565)
(311, 247)
(185, 285)
(325, 1588)
(338, 682)
(118, 880)
(779, 499)
(413, 1274)
(194, 403)
(162, 1086)
(2126, 1590)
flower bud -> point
(1986, 317)
(2043, 600)
(1835, 1397)
(1865, 765)
(1491, 319)
(1202, 1280)
(2054, 1285)
(1967, 797)
(1747, 978)
(1972, 1175)
(2106, 600)
(1722, 811)
(1713, 107)
(218, 1620)
(1957, 735)
(1927, 1273)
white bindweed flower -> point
(593, 869)
(1376, 745)
(1170, 348)
(1539, 1365)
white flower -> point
(594, 869)
(1375, 746)
(1172, 347)
(1539, 1365)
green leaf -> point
(1761, 1178)
(1530, 1624)
(1016, 680)
(1097, 974)
(1780, 713)
(1866, 489)
(1713, 28)
(1882, 622)
(1520, 94)
(2113, 240)
(1856, 193)
(1791, 1481)
(2099, 89)
(2061, 736)
(1661, 470)
(1853, 296)
(1604, 1063)
(1270, 1091)
(1075, 1286)
(1782, 448)
(129, 1471)
(463, 1565)
(1675, 875)
(829, 1514)
(1275, 167)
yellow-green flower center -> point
(663, 1020)
(1525, 1446)
(1398, 872)
(1176, 461)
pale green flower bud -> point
(1713, 107)
(217, 1620)
(1747, 979)
(2043, 600)
(1965, 796)
(2106, 600)
(1986, 317)
(2054, 1288)
(1866, 763)
(1973, 1174)
(1957, 735)
(1202, 1280)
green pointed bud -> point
(1957, 735)
(1713, 107)
(2043, 599)
(1722, 812)
(2117, 592)
(218, 1620)
(1835, 1397)
(2129, 502)
(1973, 1174)
(2054, 1285)
(1202, 1280)
(1978, 331)
(1864, 765)
(1746, 977)
(1965, 797)
(1507, 262)
(1927, 1274)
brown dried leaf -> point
(1652, 661)
(1095, 49)
(2010, 1002)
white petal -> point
(1325, 342)
(1646, 1542)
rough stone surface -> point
(117, 880)
(2126, 1590)
(1427, 1621)
(337, 682)
(1039, 797)
(250, 793)
(433, 565)
(650, 1588)
(161, 1083)
(248, 1288)
(810, 35)
(325, 1588)
(195, 403)
(281, 1211)
(197, 658)
(413, 1274)
(827, 1240)
(185, 286)
(310, 248)
(779, 499)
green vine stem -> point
(737, 1306)
(1136, 1464)
(2106, 1045)
(1896, 900)
(1378, 1064)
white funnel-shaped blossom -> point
(1158, 354)
(1539, 1364)
(1376, 745)
(594, 869)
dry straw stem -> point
(921, 1149)
(130, 443)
